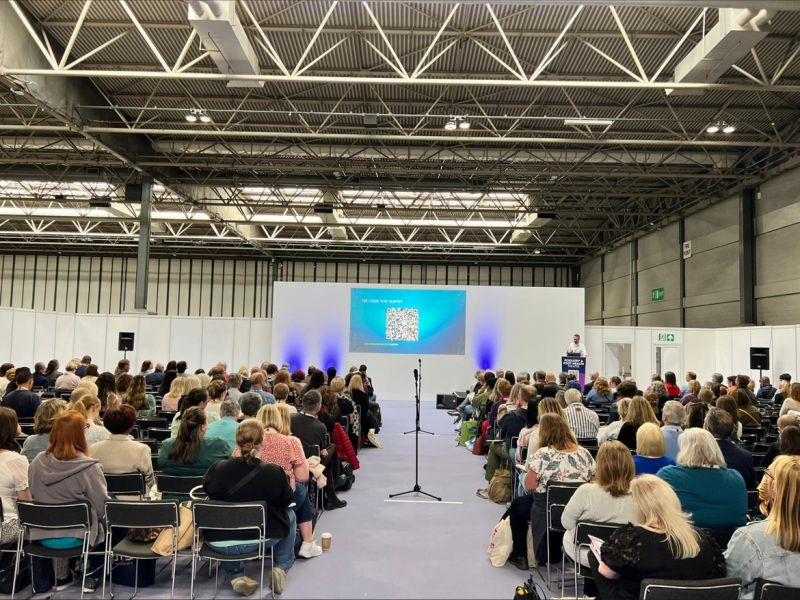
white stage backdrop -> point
(506, 327)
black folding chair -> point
(582, 542)
(174, 487)
(126, 484)
(767, 590)
(678, 589)
(138, 515)
(158, 433)
(249, 518)
(557, 495)
(150, 443)
(52, 518)
(146, 424)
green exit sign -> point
(657, 294)
(666, 337)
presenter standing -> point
(576, 348)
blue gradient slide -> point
(407, 321)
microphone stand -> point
(416, 431)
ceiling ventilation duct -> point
(736, 33)
(224, 37)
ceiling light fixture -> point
(729, 128)
(460, 122)
(196, 114)
(191, 117)
(463, 124)
(584, 122)
(713, 128)
(450, 125)
(722, 126)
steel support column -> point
(634, 283)
(142, 194)
(682, 272)
(747, 258)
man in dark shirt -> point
(155, 378)
(39, 378)
(22, 400)
(720, 424)
(85, 362)
(313, 435)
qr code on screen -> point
(402, 324)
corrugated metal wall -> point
(219, 288)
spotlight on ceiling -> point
(728, 128)
(463, 124)
(191, 117)
(537, 251)
(713, 128)
(196, 114)
(204, 118)
(457, 122)
(450, 125)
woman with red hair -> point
(65, 474)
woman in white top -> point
(217, 391)
(89, 407)
(606, 500)
(611, 431)
(13, 475)
(793, 401)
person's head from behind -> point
(704, 394)
(286, 418)
(316, 380)
(120, 420)
(697, 448)
(249, 435)
(196, 397)
(68, 438)
(281, 392)
(146, 366)
(623, 406)
(650, 441)
(717, 378)
(77, 394)
(696, 414)
(503, 388)
(4, 368)
(787, 421)
(523, 377)
(188, 443)
(673, 413)
(525, 393)
(89, 406)
(178, 386)
(230, 409)
(330, 373)
(656, 506)
(693, 386)
(601, 386)
(794, 391)
(626, 389)
(47, 413)
(784, 517)
(123, 383)
(271, 417)
(640, 411)
(123, 366)
(312, 402)
(789, 441)
(258, 380)
(550, 406)
(742, 381)
(9, 429)
(719, 423)
(554, 432)
(23, 378)
(181, 367)
(572, 396)
(216, 390)
(356, 383)
(39, 367)
(742, 398)
(250, 403)
(670, 379)
(136, 393)
(615, 468)
(785, 377)
(337, 385)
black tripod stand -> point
(416, 431)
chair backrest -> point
(752, 501)
(126, 483)
(766, 590)
(150, 443)
(141, 514)
(558, 494)
(146, 424)
(229, 516)
(39, 515)
(599, 530)
(158, 433)
(175, 486)
(678, 589)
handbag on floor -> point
(163, 543)
(500, 544)
(469, 430)
(500, 486)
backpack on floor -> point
(500, 486)
(346, 477)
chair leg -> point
(191, 583)
(16, 568)
(174, 566)
(547, 537)
(136, 579)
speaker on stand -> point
(125, 343)
(759, 359)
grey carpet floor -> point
(386, 549)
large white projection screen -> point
(517, 328)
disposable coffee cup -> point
(326, 541)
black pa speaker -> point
(759, 359)
(125, 343)
(446, 401)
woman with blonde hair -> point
(600, 392)
(43, 420)
(639, 413)
(607, 499)
(286, 452)
(769, 550)
(361, 400)
(660, 544)
(792, 401)
(529, 437)
(89, 407)
(170, 400)
(558, 458)
(266, 483)
(650, 450)
(611, 431)
(714, 495)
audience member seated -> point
(22, 400)
(165, 389)
(259, 380)
(234, 381)
(217, 392)
(481, 397)
(120, 453)
(558, 458)
(661, 543)
(606, 499)
(68, 380)
(650, 450)
(46, 415)
(788, 445)
(692, 392)
(138, 398)
(775, 447)
(155, 377)
(671, 385)
(191, 452)
(672, 416)
(509, 426)
(251, 404)
(639, 413)
(748, 412)
(177, 389)
(107, 390)
(465, 409)
(728, 404)
(696, 415)
(225, 427)
(720, 424)
(611, 431)
(501, 397)
(89, 407)
(714, 495)
(792, 402)
(195, 397)
(281, 393)
(287, 452)
(307, 427)
(39, 378)
(5, 377)
(13, 476)
(361, 399)
(65, 473)
(583, 421)
(600, 392)
(769, 550)
(247, 479)
(52, 372)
